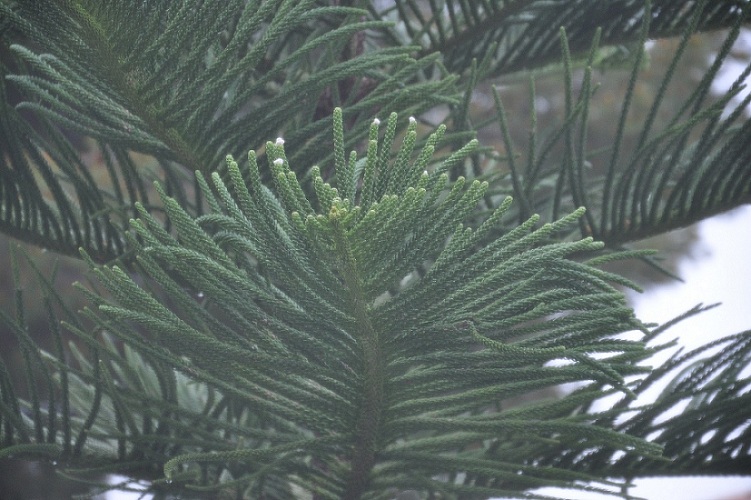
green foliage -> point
(316, 323)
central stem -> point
(369, 419)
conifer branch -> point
(357, 320)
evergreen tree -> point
(352, 310)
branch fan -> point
(130, 77)
(353, 345)
(694, 166)
(517, 35)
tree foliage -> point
(355, 310)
